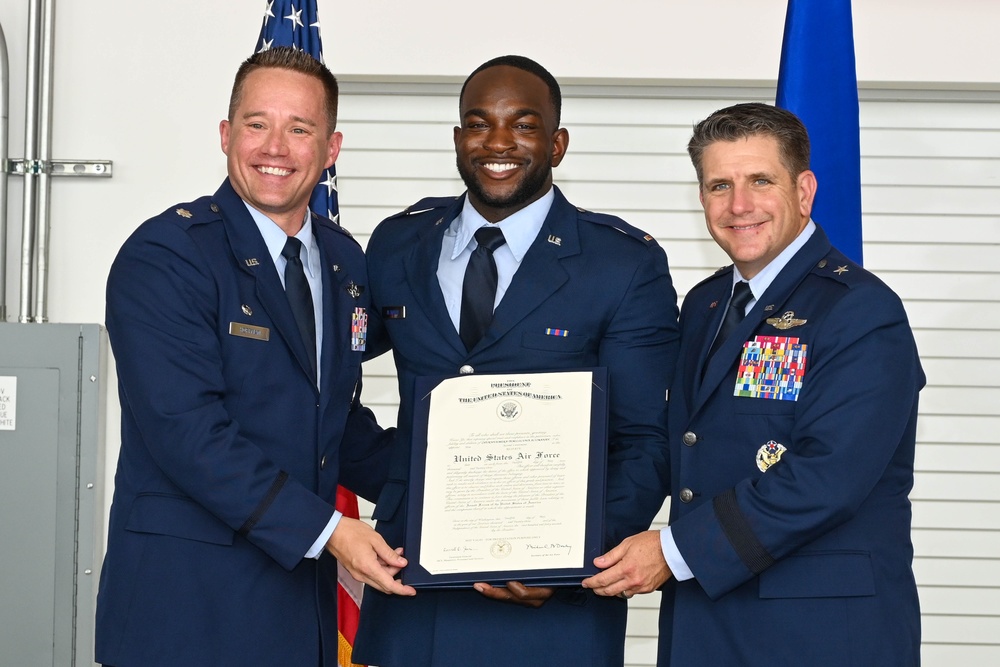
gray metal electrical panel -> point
(52, 389)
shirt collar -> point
(519, 229)
(275, 237)
(760, 282)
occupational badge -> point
(786, 321)
(355, 290)
(769, 454)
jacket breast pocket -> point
(547, 343)
(825, 574)
(177, 517)
(763, 406)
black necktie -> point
(299, 296)
(734, 314)
(480, 287)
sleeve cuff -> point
(675, 561)
(317, 548)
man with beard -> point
(574, 290)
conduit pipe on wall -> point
(37, 167)
(4, 154)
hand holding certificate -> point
(509, 483)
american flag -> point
(297, 24)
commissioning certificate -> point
(507, 479)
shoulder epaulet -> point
(616, 223)
(721, 271)
(199, 211)
(839, 268)
(332, 223)
(424, 205)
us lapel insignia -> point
(555, 240)
(768, 308)
(786, 321)
(355, 290)
(247, 310)
(336, 268)
(769, 454)
(184, 213)
(714, 304)
(252, 262)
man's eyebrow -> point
(297, 119)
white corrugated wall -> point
(931, 200)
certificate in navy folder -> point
(507, 479)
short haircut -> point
(289, 58)
(527, 65)
(753, 119)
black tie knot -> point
(741, 296)
(291, 250)
(490, 238)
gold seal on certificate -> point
(509, 481)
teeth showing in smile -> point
(273, 171)
(499, 168)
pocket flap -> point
(177, 517)
(820, 575)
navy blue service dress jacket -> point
(605, 283)
(792, 511)
(230, 455)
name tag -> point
(249, 331)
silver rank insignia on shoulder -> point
(247, 310)
(769, 454)
(355, 290)
(841, 270)
(786, 321)
(555, 240)
(184, 213)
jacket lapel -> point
(540, 274)
(252, 257)
(421, 272)
(338, 303)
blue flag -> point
(296, 24)
(817, 81)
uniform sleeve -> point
(163, 325)
(639, 349)
(857, 404)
